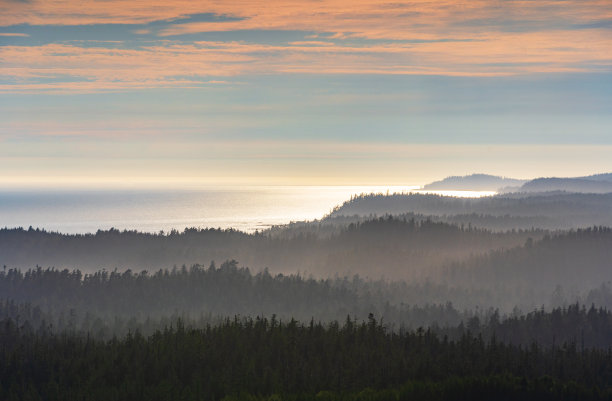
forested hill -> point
(554, 210)
(472, 266)
(567, 184)
(395, 248)
(597, 183)
(474, 182)
(574, 261)
(212, 291)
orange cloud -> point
(367, 18)
(392, 17)
(479, 37)
(186, 65)
(23, 35)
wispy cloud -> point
(166, 65)
(14, 34)
(394, 19)
(476, 38)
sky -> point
(187, 93)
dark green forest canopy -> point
(262, 358)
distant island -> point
(474, 182)
(597, 183)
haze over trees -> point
(601, 185)
(523, 269)
(390, 297)
(390, 247)
(550, 210)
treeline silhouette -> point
(104, 304)
(334, 224)
(71, 299)
(390, 247)
(438, 262)
(551, 210)
(267, 359)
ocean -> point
(243, 208)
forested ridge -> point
(334, 224)
(399, 248)
(553, 210)
(438, 262)
(104, 304)
(587, 252)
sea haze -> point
(243, 208)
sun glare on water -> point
(243, 208)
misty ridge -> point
(382, 247)
(440, 262)
(510, 250)
(107, 304)
(550, 210)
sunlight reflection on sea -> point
(243, 208)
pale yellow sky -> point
(176, 165)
